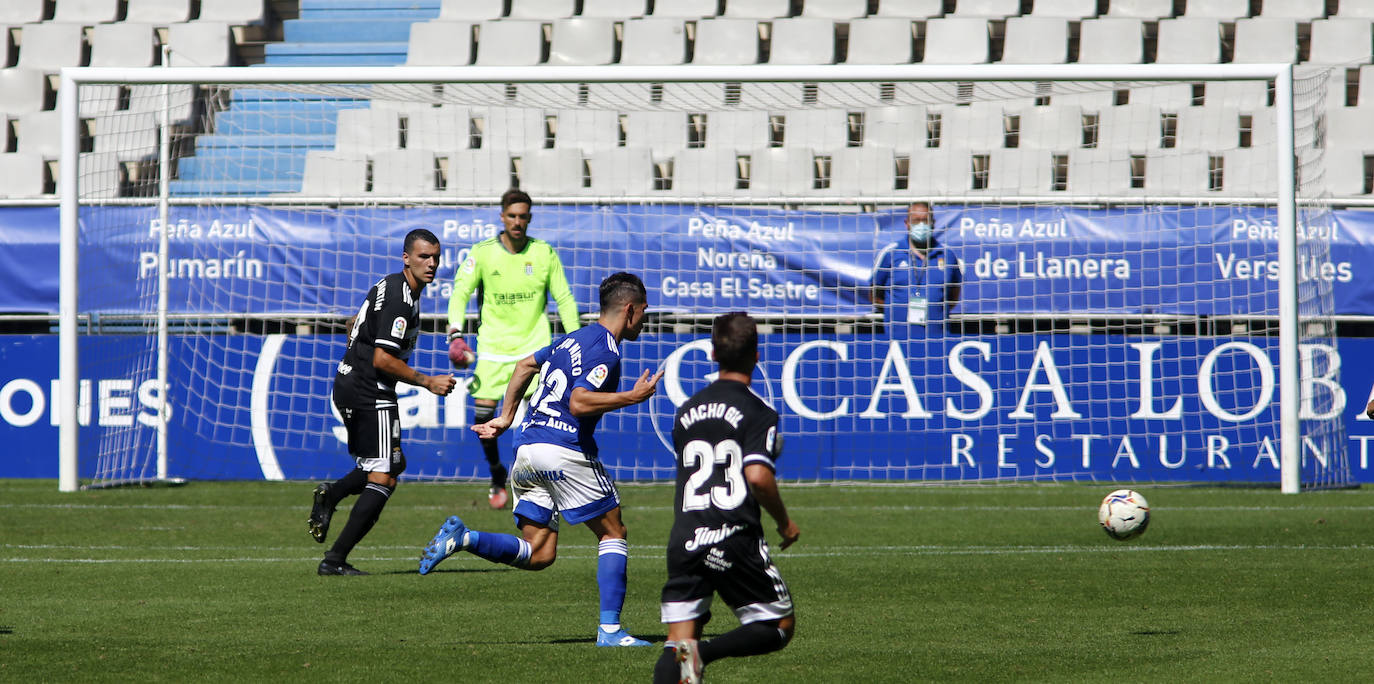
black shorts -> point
(738, 568)
(374, 439)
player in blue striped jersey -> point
(557, 473)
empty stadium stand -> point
(263, 142)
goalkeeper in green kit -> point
(513, 275)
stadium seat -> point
(471, 10)
(234, 12)
(40, 133)
(1149, 10)
(654, 42)
(1100, 172)
(367, 130)
(1014, 171)
(512, 129)
(1067, 9)
(446, 127)
(124, 44)
(1129, 128)
(329, 173)
(959, 40)
(179, 101)
(705, 173)
(881, 40)
(1111, 40)
(1354, 9)
(619, 10)
(22, 90)
(621, 171)
(664, 134)
(1344, 171)
(24, 174)
(1170, 173)
(987, 9)
(934, 171)
(482, 173)
(910, 9)
(19, 12)
(835, 9)
(582, 42)
(861, 171)
(1252, 173)
(88, 12)
(1244, 94)
(440, 43)
(803, 41)
(403, 173)
(1266, 41)
(979, 127)
(158, 12)
(510, 43)
(555, 172)
(1365, 97)
(727, 42)
(1059, 127)
(757, 9)
(1225, 10)
(685, 9)
(1341, 41)
(541, 10)
(901, 128)
(586, 129)
(782, 172)
(1351, 127)
(1036, 40)
(737, 129)
(1209, 128)
(1189, 41)
(200, 43)
(100, 175)
(822, 130)
(130, 137)
(1301, 10)
(51, 46)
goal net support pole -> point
(73, 78)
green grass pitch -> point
(216, 581)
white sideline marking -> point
(257, 407)
(826, 552)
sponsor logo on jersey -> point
(381, 295)
(345, 369)
(715, 559)
(529, 268)
(597, 376)
(469, 265)
(708, 536)
(398, 327)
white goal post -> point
(1023, 77)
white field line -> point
(585, 552)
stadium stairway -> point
(257, 145)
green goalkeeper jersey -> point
(513, 292)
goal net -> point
(1103, 292)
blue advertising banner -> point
(1034, 407)
(225, 260)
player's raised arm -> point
(585, 402)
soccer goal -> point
(1127, 275)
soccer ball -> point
(1124, 514)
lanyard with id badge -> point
(917, 307)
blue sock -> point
(507, 549)
(612, 556)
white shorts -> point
(551, 481)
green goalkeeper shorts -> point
(489, 380)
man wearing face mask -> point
(916, 283)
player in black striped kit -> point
(727, 442)
(381, 336)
